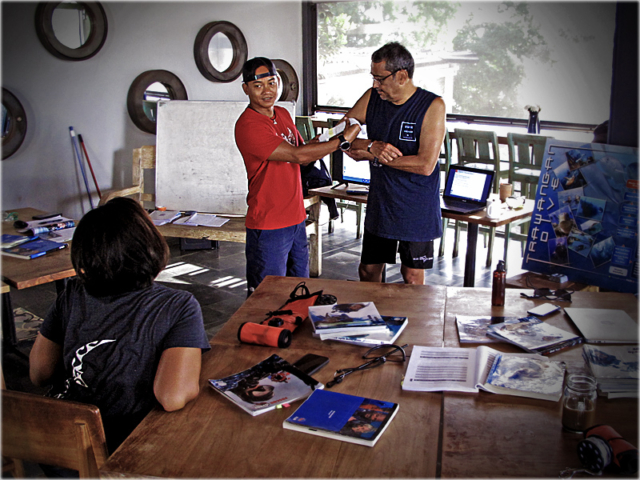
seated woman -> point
(115, 338)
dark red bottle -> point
(499, 285)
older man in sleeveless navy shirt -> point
(406, 127)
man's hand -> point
(385, 152)
(357, 155)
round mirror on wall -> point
(14, 124)
(71, 30)
(146, 91)
(289, 77)
(220, 51)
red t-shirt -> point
(275, 190)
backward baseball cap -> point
(250, 66)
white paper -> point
(330, 132)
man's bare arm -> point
(285, 152)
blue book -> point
(9, 240)
(33, 249)
(343, 417)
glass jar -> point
(579, 402)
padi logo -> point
(423, 258)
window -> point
(484, 59)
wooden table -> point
(489, 435)
(473, 220)
(52, 267)
(212, 437)
(476, 435)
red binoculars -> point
(603, 446)
(276, 330)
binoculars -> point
(276, 330)
(603, 446)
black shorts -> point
(377, 250)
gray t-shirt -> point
(112, 346)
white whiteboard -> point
(198, 166)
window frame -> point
(310, 88)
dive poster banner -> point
(585, 220)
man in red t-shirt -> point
(273, 151)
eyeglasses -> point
(380, 80)
(560, 294)
(376, 357)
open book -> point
(263, 387)
(342, 417)
(202, 220)
(436, 369)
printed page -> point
(436, 369)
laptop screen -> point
(468, 184)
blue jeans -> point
(282, 252)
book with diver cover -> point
(264, 386)
(344, 417)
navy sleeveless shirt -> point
(402, 205)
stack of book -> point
(615, 368)
(339, 321)
(534, 336)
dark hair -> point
(396, 58)
(116, 248)
(250, 66)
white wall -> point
(91, 95)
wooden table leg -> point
(470, 260)
(315, 241)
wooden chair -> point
(144, 164)
(479, 148)
(526, 157)
(54, 432)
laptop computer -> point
(599, 325)
(466, 190)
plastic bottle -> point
(499, 284)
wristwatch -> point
(344, 143)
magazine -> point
(33, 249)
(38, 227)
(263, 387)
(437, 369)
(615, 368)
(329, 321)
(395, 326)
(473, 329)
(533, 336)
(343, 417)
